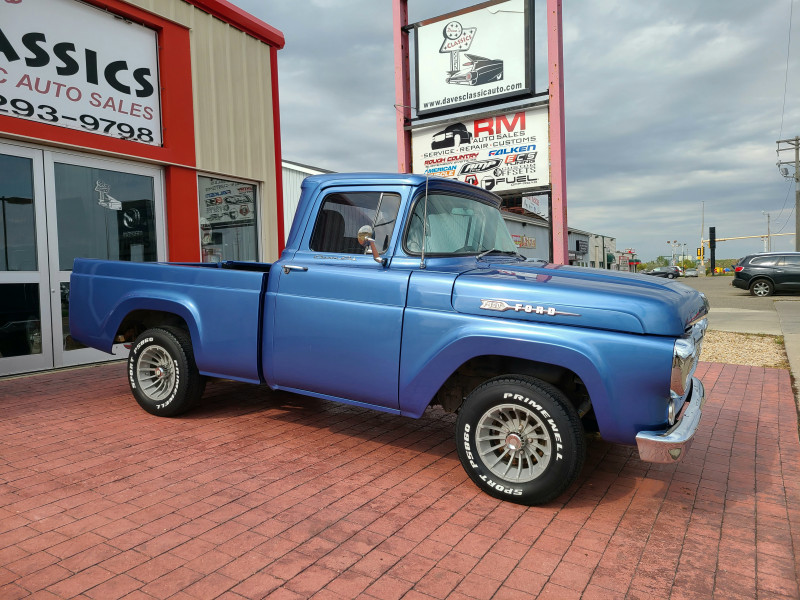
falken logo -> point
(502, 306)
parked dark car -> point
(768, 272)
(478, 70)
(668, 272)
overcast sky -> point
(669, 104)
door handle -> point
(288, 268)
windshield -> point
(457, 225)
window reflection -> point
(104, 214)
(227, 220)
(17, 219)
(20, 320)
(69, 342)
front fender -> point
(626, 375)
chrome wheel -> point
(155, 372)
(761, 288)
(513, 443)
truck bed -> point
(221, 303)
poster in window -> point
(225, 203)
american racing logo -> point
(502, 306)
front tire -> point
(520, 440)
(162, 373)
(762, 288)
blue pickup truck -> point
(396, 292)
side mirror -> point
(365, 236)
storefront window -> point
(104, 214)
(227, 220)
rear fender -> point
(151, 300)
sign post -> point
(402, 86)
(558, 166)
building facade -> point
(136, 130)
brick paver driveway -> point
(258, 494)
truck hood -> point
(579, 296)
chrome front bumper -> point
(671, 445)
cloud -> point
(669, 106)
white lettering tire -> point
(520, 439)
(162, 373)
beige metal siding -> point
(292, 180)
(232, 86)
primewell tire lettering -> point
(162, 373)
(546, 415)
(520, 439)
(175, 388)
(142, 343)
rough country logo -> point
(478, 70)
(13, 1)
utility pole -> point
(792, 144)
(769, 238)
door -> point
(25, 332)
(787, 273)
(338, 313)
(97, 209)
(54, 207)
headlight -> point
(685, 355)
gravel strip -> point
(744, 349)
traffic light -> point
(700, 253)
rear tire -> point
(520, 439)
(162, 373)
(762, 288)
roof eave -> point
(243, 20)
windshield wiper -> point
(511, 252)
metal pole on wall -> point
(797, 194)
(402, 85)
(558, 167)
(792, 144)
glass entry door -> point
(97, 209)
(25, 333)
(55, 207)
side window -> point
(343, 214)
(764, 261)
(792, 259)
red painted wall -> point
(178, 143)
